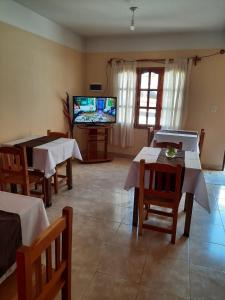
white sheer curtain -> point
(124, 87)
(175, 93)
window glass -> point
(154, 80)
(142, 116)
(143, 98)
(152, 98)
(144, 80)
(151, 116)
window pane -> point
(143, 98)
(142, 116)
(154, 80)
(144, 80)
(152, 98)
(151, 116)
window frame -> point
(158, 108)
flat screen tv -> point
(92, 110)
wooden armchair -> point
(58, 178)
(201, 141)
(14, 171)
(32, 281)
(168, 144)
(164, 190)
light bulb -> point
(132, 27)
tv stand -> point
(97, 135)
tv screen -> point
(94, 110)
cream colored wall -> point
(206, 89)
(34, 74)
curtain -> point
(124, 87)
(175, 93)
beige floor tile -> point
(81, 279)
(159, 246)
(110, 288)
(122, 262)
(151, 294)
(207, 284)
(208, 255)
(207, 233)
(86, 253)
(127, 236)
(201, 216)
(167, 275)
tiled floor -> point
(111, 262)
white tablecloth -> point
(189, 141)
(194, 181)
(47, 156)
(32, 215)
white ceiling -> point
(90, 18)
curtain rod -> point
(196, 58)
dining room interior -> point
(112, 136)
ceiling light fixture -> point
(132, 9)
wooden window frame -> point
(160, 71)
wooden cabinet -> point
(96, 143)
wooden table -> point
(193, 185)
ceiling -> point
(90, 18)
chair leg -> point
(25, 190)
(147, 207)
(174, 226)
(44, 191)
(56, 186)
(140, 218)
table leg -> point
(135, 207)
(48, 191)
(69, 173)
(188, 207)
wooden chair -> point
(14, 171)
(58, 178)
(201, 141)
(164, 190)
(168, 145)
(35, 280)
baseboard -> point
(121, 155)
(211, 167)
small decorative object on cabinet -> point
(96, 143)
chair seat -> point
(17, 179)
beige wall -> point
(36, 72)
(34, 75)
(206, 89)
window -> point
(149, 97)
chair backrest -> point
(13, 167)
(168, 145)
(32, 281)
(164, 181)
(57, 134)
(201, 141)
